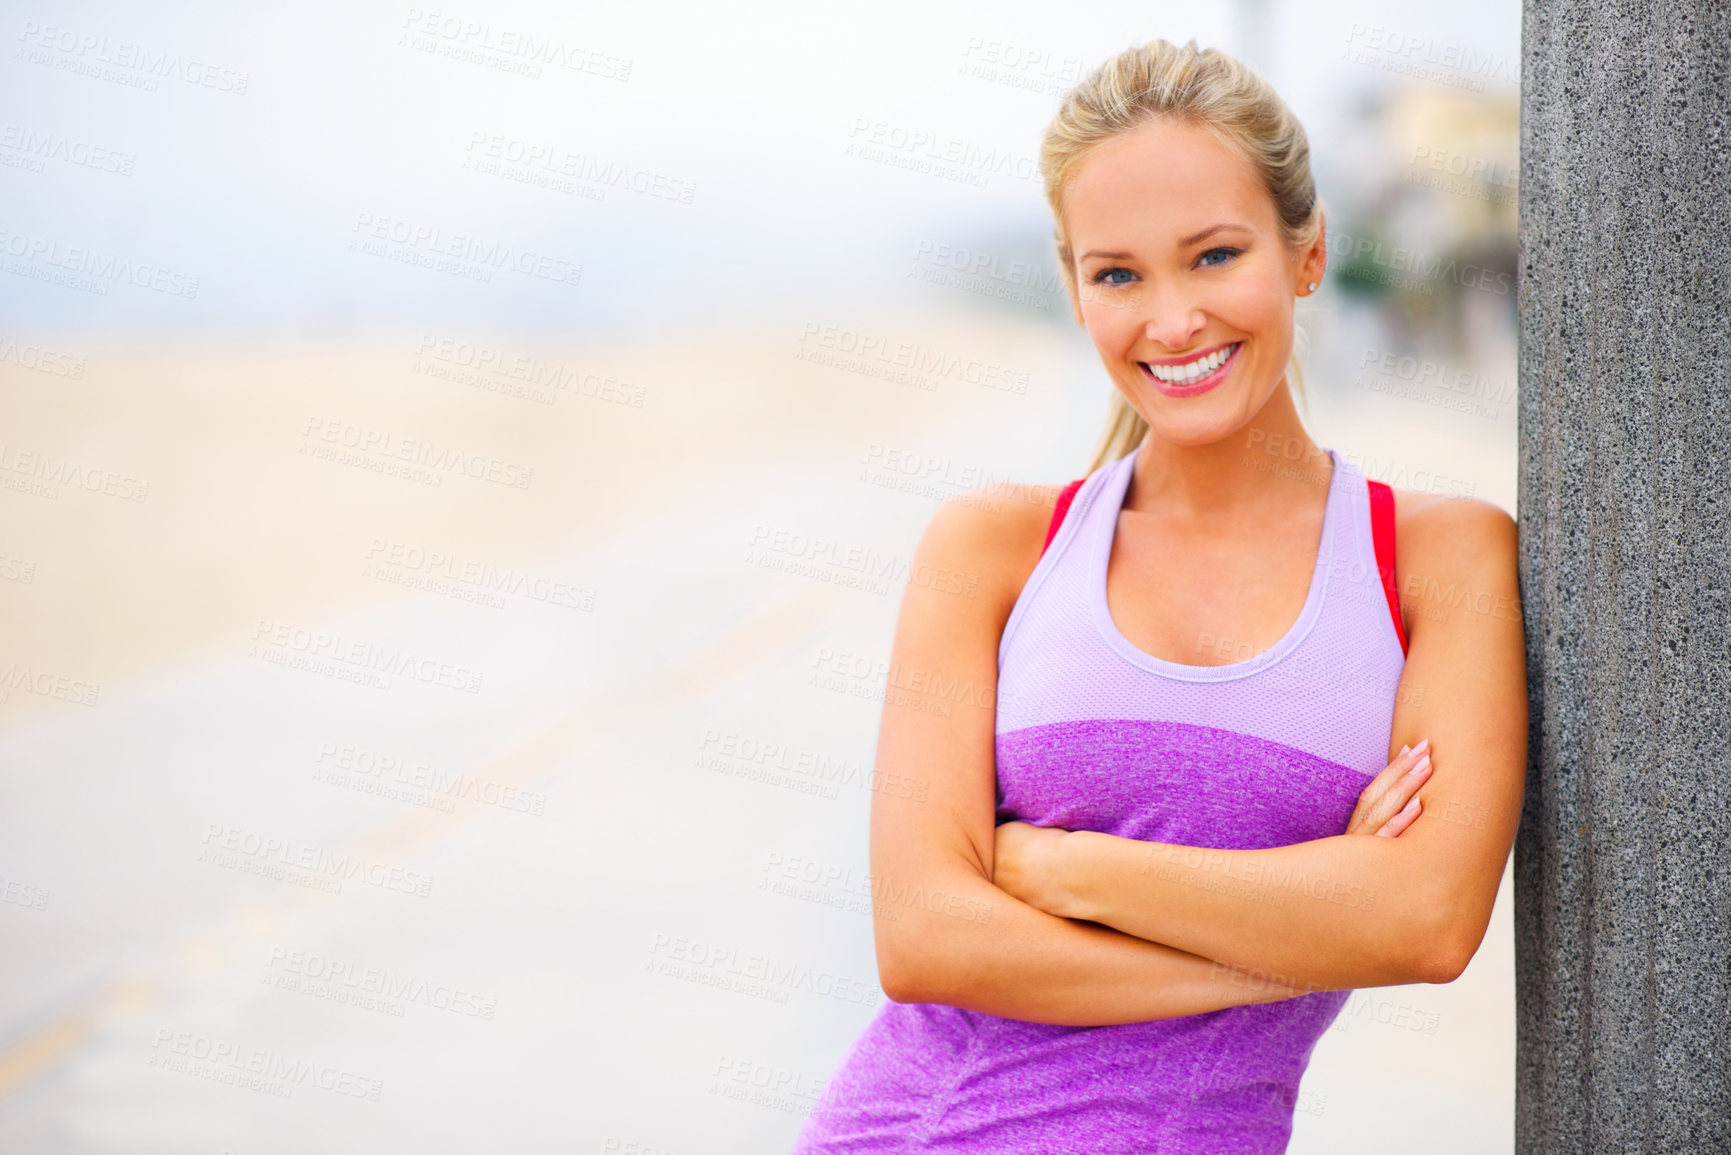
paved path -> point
(296, 904)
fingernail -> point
(1423, 745)
(1410, 806)
(1422, 766)
(1403, 751)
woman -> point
(1227, 778)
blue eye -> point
(1225, 252)
(1099, 278)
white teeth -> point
(1192, 371)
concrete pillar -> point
(1623, 862)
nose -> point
(1173, 318)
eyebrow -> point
(1192, 239)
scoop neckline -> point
(1105, 532)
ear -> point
(1314, 263)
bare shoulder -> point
(1454, 554)
(1468, 530)
(995, 536)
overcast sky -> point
(240, 161)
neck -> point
(1271, 460)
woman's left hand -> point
(1025, 866)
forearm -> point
(1346, 911)
(986, 951)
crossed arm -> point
(1083, 928)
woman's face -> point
(1183, 279)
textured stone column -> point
(1623, 862)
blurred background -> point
(437, 705)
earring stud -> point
(1313, 286)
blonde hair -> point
(1206, 87)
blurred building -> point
(1422, 219)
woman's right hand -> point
(1390, 803)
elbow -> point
(922, 962)
(1456, 949)
(899, 981)
(930, 939)
(902, 970)
(906, 980)
(898, 989)
(1444, 945)
(1446, 960)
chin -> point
(1190, 422)
(1195, 434)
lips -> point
(1195, 375)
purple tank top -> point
(1094, 734)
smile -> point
(1194, 371)
(1194, 377)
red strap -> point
(1065, 497)
(1382, 538)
